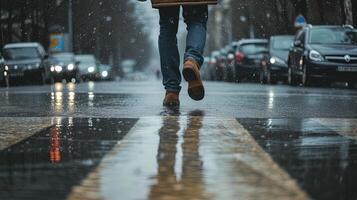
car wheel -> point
(351, 84)
(269, 78)
(305, 78)
(262, 77)
(291, 77)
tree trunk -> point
(347, 8)
(9, 22)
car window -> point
(21, 53)
(282, 43)
(86, 64)
(253, 48)
(63, 58)
(333, 36)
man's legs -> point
(196, 19)
(169, 54)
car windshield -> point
(85, 65)
(104, 68)
(282, 43)
(63, 58)
(21, 53)
(253, 48)
(333, 36)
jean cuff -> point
(195, 59)
(173, 89)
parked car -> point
(274, 66)
(87, 67)
(324, 53)
(229, 69)
(64, 66)
(248, 56)
(220, 65)
(215, 70)
(205, 70)
(3, 73)
(26, 61)
(105, 72)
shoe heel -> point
(189, 74)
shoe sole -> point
(196, 92)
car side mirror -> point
(297, 43)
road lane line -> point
(188, 158)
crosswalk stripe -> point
(16, 129)
(344, 127)
(188, 157)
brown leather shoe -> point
(171, 99)
(191, 73)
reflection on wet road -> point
(193, 157)
(320, 159)
(115, 141)
(171, 184)
(134, 100)
(49, 163)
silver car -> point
(26, 61)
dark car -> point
(3, 73)
(64, 66)
(275, 62)
(248, 56)
(216, 70)
(221, 65)
(87, 67)
(324, 53)
(229, 69)
(26, 61)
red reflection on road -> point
(55, 144)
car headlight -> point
(52, 68)
(91, 69)
(6, 68)
(230, 56)
(315, 56)
(38, 65)
(104, 74)
(276, 60)
(58, 68)
(70, 67)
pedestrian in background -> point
(195, 14)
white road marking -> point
(344, 127)
(219, 158)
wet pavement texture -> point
(134, 100)
(189, 157)
(323, 161)
(114, 140)
(49, 163)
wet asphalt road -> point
(114, 140)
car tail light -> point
(239, 56)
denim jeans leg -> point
(169, 54)
(196, 20)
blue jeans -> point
(196, 20)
